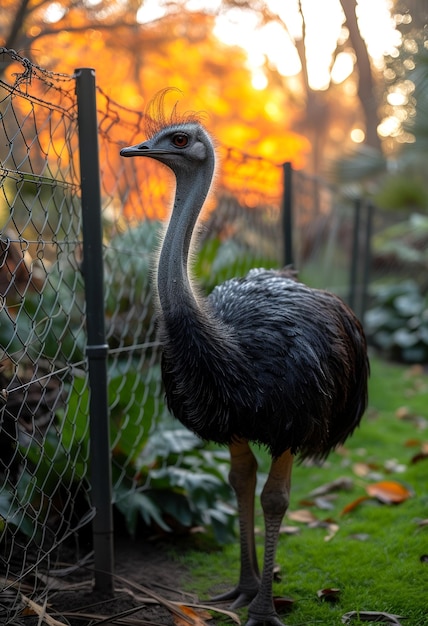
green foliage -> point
(219, 260)
(128, 271)
(52, 472)
(402, 192)
(405, 242)
(47, 324)
(398, 323)
(162, 474)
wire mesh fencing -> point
(44, 494)
(47, 489)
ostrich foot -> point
(241, 597)
(257, 620)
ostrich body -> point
(262, 359)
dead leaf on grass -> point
(388, 492)
(385, 491)
(422, 522)
(422, 454)
(343, 483)
(330, 525)
(277, 575)
(404, 413)
(372, 616)
(325, 503)
(289, 530)
(329, 594)
(353, 505)
(412, 443)
(283, 603)
(359, 536)
(302, 515)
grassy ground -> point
(374, 554)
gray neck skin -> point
(174, 287)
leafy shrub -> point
(162, 473)
(403, 191)
(398, 323)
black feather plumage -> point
(278, 363)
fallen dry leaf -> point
(289, 530)
(282, 603)
(196, 617)
(392, 466)
(404, 413)
(422, 522)
(422, 454)
(32, 608)
(359, 536)
(412, 443)
(330, 525)
(329, 594)
(361, 469)
(372, 616)
(353, 505)
(302, 515)
(367, 470)
(388, 492)
(338, 484)
(324, 503)
(277, 575)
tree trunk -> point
(366, 92)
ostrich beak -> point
(141, 149)
(144, 149)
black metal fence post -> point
(97, 348)
(353, 278)
(287, 213)
(370, 209)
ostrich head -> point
(177, 140)
(183, 147)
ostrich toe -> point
(272, 619)
(241, 597)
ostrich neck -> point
(174, 286)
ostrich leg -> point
(243, 478)
(274, 499)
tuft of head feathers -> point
(156, 118)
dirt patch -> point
(147, 578)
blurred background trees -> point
(299, 81)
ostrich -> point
(262, 359)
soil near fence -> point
(150, 582)
(147, 578)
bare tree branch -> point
(366, 91)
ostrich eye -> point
(180, 140)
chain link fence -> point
(47, 488)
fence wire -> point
(44, 495)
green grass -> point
(374, 557)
